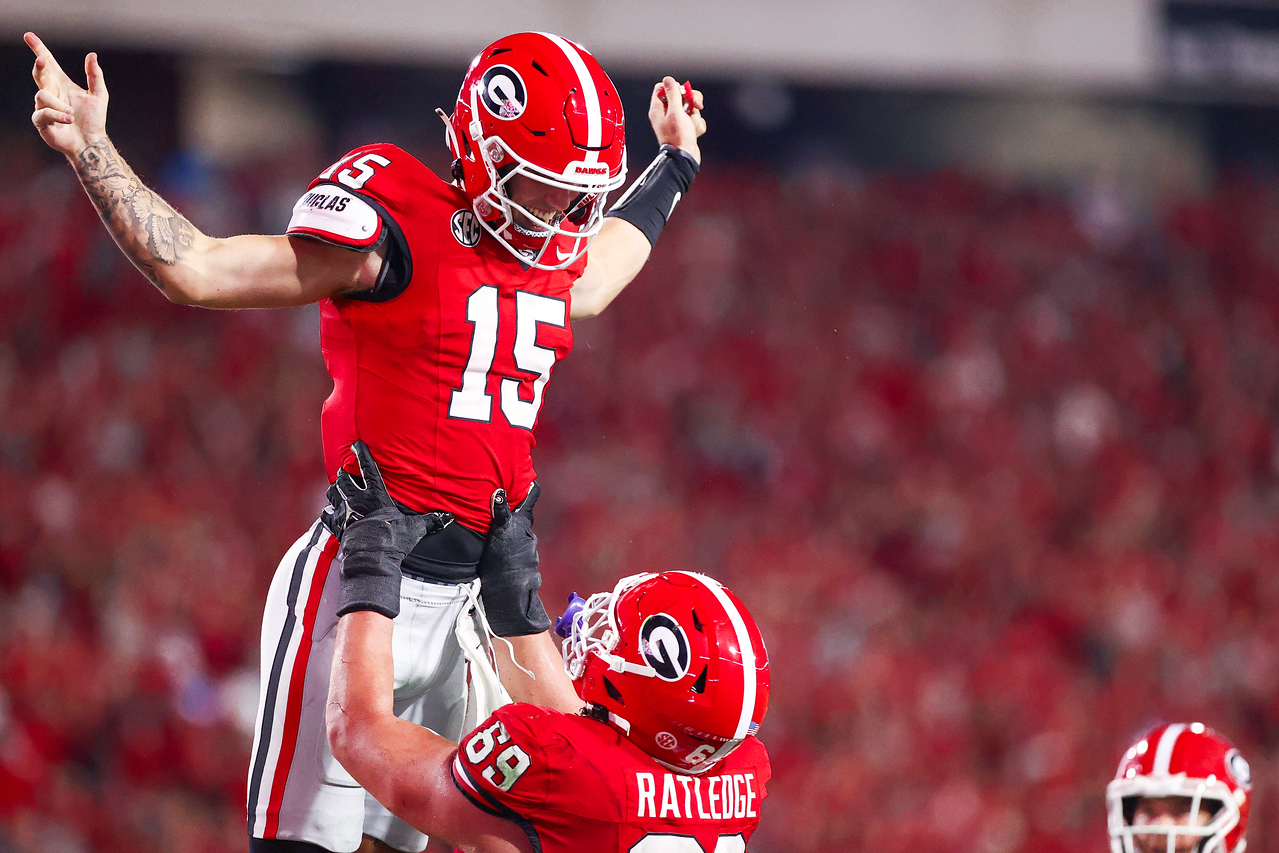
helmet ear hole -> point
(456, 170)
(613, 692)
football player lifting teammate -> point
(444, 307)
(1181, 788)
(660, 755)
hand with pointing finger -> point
(68, 117)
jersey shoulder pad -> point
(390, 175)
(753, 754)
(505, 765)
(335, 215)
(370, 165)
(752, 757)
(392, 183)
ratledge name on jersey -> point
(729, 796)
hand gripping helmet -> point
(538, 105)
(677, 663)
(1180, 760)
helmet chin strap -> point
(617, 663)
(604, 715)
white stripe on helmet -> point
(594, 118)
(749, 675)
(1163, 753)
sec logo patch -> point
(466, 228)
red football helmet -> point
(676, 661)
(538, 105)
(1180, 760)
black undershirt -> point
(450, 556)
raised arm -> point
(404, 766)
(187, 266)
(532, 669)
(624, 243)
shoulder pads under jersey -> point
(336, 215)
(382, 182)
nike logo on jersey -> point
(725, 797)
(563, 256)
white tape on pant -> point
(485, 693)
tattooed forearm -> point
(145, 227)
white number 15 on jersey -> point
(473, 402)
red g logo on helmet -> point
(502, 92)
(665, 647)
(1239, 769)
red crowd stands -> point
(998, 481)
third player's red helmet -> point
(1180, 760)
(677, 662)
(538, 105)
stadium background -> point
(959, 364)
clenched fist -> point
(673, 121)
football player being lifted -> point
(444, 307)
(659, 755)
(1181, 788)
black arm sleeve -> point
(652, 198)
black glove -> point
(509, 579)
(375, 537)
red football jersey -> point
(575, 784)
(444, 378)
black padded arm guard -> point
(370, 565)
(375, 536)
(509, 579)
(652, 198)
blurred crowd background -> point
(969, 395)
